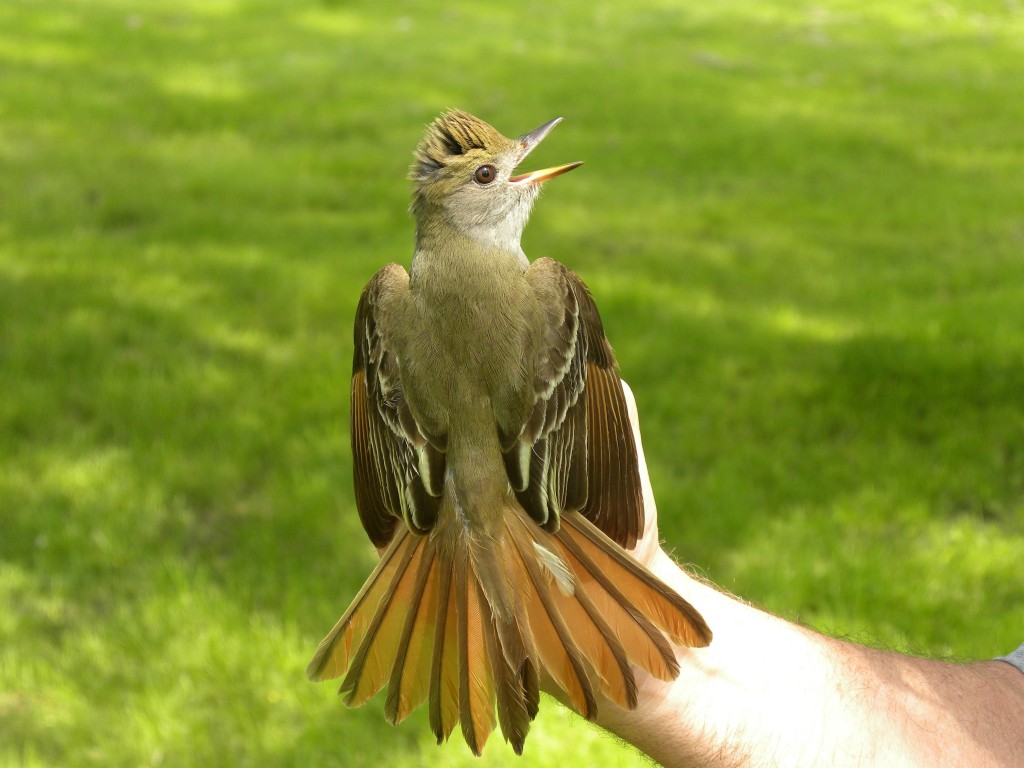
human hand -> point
(768, 692)
(648, 550)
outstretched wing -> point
(576, 450)
(397, 472)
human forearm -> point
(768, 692)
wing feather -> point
(578, 433)
(396, 471)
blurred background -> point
(803, 223)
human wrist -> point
(739, 702)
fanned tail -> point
(472, 627)
(641, 608)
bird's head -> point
(464, 176)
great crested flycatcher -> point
(495, 468)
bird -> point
(495, 470)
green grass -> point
(803, 223)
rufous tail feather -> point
(473, 627)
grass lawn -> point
(803, 222)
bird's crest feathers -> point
(453, 134)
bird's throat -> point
(451, 253)
(494, 228)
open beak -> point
(529, 141)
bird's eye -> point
(485, 174)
